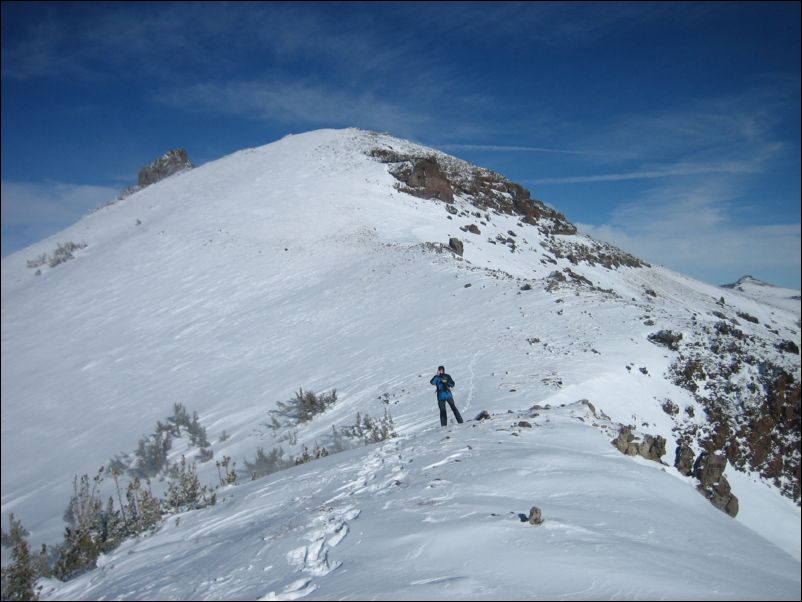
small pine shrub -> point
(229, 475)
(64, 253)
(180, 415)
(315, 454)
(197, 432)
(185, 491)
(371, 430)
(266, 463)
(60, 255)
(38, 261)
(303, 407)
(19, 577)
(151, 454)
(91, 531)
(143, 509)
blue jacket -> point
(443, 388)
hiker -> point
(444, 382)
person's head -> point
(441, 369)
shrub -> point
(197, 432)
(229, 475)
(304, 406)
(19, 577)
(64, 253)
(315, 454)
(152, 454)
(38, 261)
(185, 491)
(371, 430)
(91, 531)
(144, 509)
(265, 464)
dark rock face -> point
(456, 245)
(683, 460)
(757, 425)
(427, 181)
(432, 177)
(170, 163)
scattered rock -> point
(666, 338)
(455, 244)
(788, 347)
(535, 516)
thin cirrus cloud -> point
(513, 149)
(681, 170)
(690, 226)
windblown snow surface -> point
(300, 264)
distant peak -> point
(747, 279)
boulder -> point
(683, 459)
(535, 516)
(666, 338)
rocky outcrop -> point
(440, 177)
(683, 459)
(425, 179)
(168, 164)
(709, 469)
(755, 425)
(666, 338)
(455, 244)
(649, 447)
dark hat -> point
(440, 367)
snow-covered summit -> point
(326, 260)
(750, 286)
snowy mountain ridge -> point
(325, 261)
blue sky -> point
(669, 129)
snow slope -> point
(437, 516)
(299, 264)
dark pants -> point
(443, 417)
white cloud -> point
(31, 212)
(692, 228)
